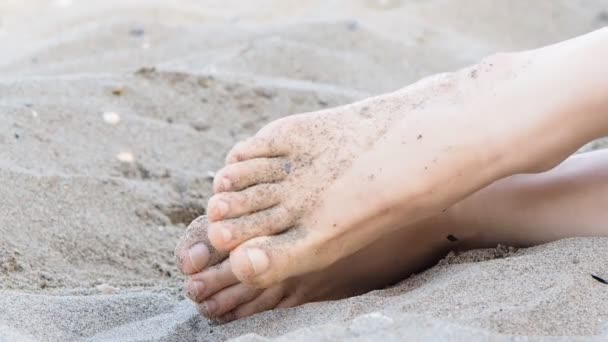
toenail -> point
(196, 288)
(226, 235)
(258, 259)
(226, 184)
(199, 255)
(210, 306)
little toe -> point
(256, 147)
(227, 234)
(268, 300)
(212, 280)
(238, 176)
(227, 299)
(194, 252)
(227, 205)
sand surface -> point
(114, 116)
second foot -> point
(220, 295)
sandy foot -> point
(311, 189)
(219, 294)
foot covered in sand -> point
(311, 189)
(219, 295)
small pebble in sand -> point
(125, 157)
(200, 125)
(137, 32)
(210, 174)
(106, 289)
(111, 118)
(145, 45)
(352, 25)
(34, 113)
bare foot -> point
(220, 295)
(309, 190)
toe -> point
(289, 302)
(227, 234)
(195, 258)
(226, 205)
(266, 261)
(268, 300)
(212, 280)
(238, 176)
(257, 147)
(227, 299)
(194, 252)
(249, 264)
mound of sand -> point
(115, 114)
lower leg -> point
(523, 210)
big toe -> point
(194, 252)
(266, 261)
(227, 300)
(267, 300)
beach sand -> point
(115, 115)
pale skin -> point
(522, 210)
(311, 194)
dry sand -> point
(115, 114)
